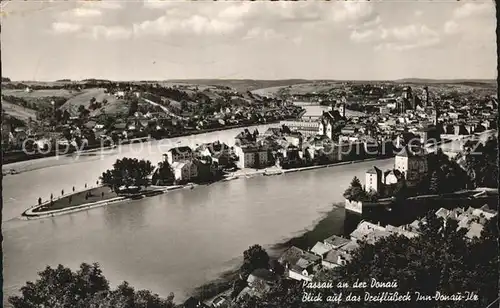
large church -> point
(333, 120)
(408, 101)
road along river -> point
(169, 243)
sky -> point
(164, 39)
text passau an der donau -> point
(375, 291)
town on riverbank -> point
(436, 169)
(47, 119)
(370, 182)
(451, 176)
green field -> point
(19, 112)
(297, 89)
(242, 85)
(39, 93)
(114, 106)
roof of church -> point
(405, 152)
(331, 115)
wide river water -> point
(168, 243)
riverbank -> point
(53, 161)
(334, 222)
(42, 210)
(272, 171)
(10, 158)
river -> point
(317, 110)
(168, 243)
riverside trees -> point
(481, 164)
(446, 176)
(355, 192)
(164, 175)
(86, 288)
(254, 257)
(128, 172)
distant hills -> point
(254, 84)
(452, 81)
(242, 84)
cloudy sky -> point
(136, 40)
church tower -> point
(342, 107)
(425, 96)
(436, 111)
(436, 114)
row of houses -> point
(205, 161)
(336, 251)
(279, 144)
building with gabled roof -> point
(475, 230)
(443, 213)
(340, 256)
(320, 249)
(335, 241)
(179, 154)
(412, 165)
(299, 264)
(363, 229)
(184, 171)
(373, 179)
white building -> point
(299, 264)
(373, 180)
(251, 157)
(412, 165)
(306, 128)
(179, 154)
(184, 171)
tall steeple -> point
(342, 106)
(426, 96)
(436, 112)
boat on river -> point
(274, 172)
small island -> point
(129, 178)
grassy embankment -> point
(95, 194)
(113, 106)
(78, 198)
